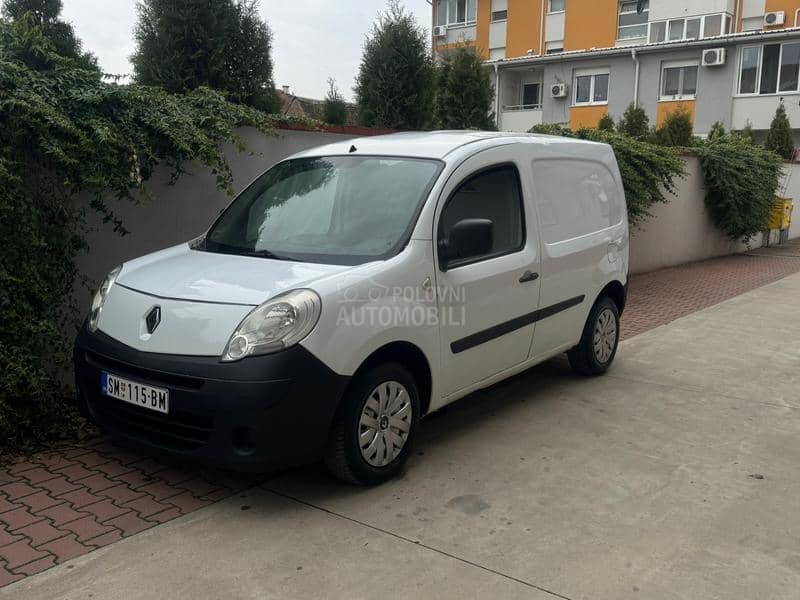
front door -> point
(487, 303)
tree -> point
(249, 60)
(46, 15)
(779, 138)
(606, 123)
(676, 130)
(463, 92)
(634, 123)
(717, 131)
(334, 110)
(223, 44)
(395, 83)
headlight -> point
(277, 324)
(100, 298)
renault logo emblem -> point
(152, 319)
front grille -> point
(136, 373)
(179, 430)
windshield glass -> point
(338, 210)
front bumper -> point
(260, 413)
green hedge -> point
(64, 131)
(741, 181)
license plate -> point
(136, 393)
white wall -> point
(670, 9)
(520, 120)
(760, 110)
(682, 231)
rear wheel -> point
(598, 346)
(375, 426)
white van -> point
(354, 288)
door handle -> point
(528, 276)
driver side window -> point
(492, 194)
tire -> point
(364, 414)
(586, 358)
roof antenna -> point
(353, 149)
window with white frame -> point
(679, 81)
(632, 24)
(690, 28)
(456, 12)
(591, 87)
(769, 69)
(554, 6)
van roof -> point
(430, 144)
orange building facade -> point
(573, 61)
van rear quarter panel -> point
(584, 263)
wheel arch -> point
(410, 356)
(617, 292)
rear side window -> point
(575, 198)
(493, 194)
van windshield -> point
(337, 210)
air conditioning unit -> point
(558, 90)
(772, 19)
(440, 31)
(714, 57)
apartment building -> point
(572, 61)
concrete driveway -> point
(675, 476)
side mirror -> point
(468, 238)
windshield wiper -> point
(265, 254)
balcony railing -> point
(510, 107)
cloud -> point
(313, 39)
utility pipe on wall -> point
(635, 77)
(496, 96)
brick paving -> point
(60, 504)
(658, 298)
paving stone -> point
(105, 510)
(97, 483)
(85, 528)
(58, 486)
(113, 469)
(146, 506)
(129, 524)
(63, 513)
(37, 475)
(187, 502)
(7, 577)
(37, 566)
(7, 538)
(66, 548)
(39, 501)
(40, 533)
(165, 515)
(19, 517)
(80, 498)
(5, 505)
(106, 538)
(20, 553)
(121, 494)
(160, 490)
(18, 489)
(75, 472)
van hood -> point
(186, 274)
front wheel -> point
(375, 426)
(598, 346)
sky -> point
(313, 39)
